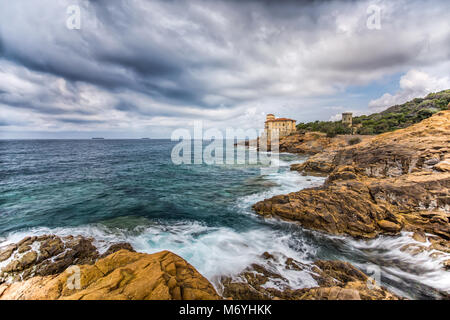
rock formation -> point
(35, 269)
(310, 143)
(336, 280)
(384, 184)
(48, 255)
(395, 181)
(423, 147)
(366, 207)
(121, 275)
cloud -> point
(413, 84)
(159, 64)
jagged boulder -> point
(364, 208)
(123, 275)
(336, 280)
(48, 255)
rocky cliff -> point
(40, 268)
(395, 181)
(423, 147)
(311, 143)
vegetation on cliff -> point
(393, 118)
(385, 184)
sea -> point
(131, 190)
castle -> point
(280, 127)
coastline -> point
(276, 258)
(378, 187)
(270, 283)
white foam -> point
(214, 252)
(285, 181)
(423, 267)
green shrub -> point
(366, 130)
(393, 118)
(354, 141)
(331, 134)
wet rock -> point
(23, 248)
(11, 267)
(337, 272)
(446, 264)
(27, 259)
(440, 244)
(51, 246)
(333, 293)
(26, 241)
(336, 280)
(291, 264)
(123, 275)
(116, 247)
(344, 209)
(389, 226)
(419, 236)
(413, 249)
(54, 255)
(366, 207)
(6, 251)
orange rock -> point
(123, 275)
(393, 181)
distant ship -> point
(98, 138)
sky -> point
(144, 68)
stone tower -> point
(347, 119)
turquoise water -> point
(129, 190)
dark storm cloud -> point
(136, 60)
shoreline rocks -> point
(336, 280)
(365, 208)
(48, 255)
(385, 184)
(122, 275)
(395, 181)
